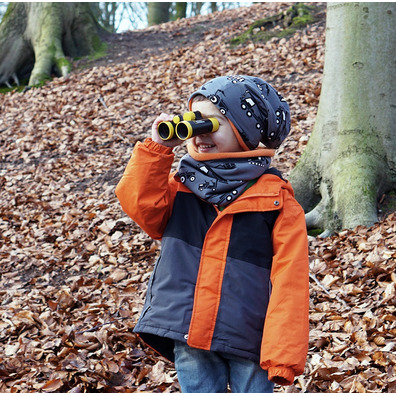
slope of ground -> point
(74, 268)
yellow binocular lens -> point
(166, 130)
(187, 129)
(186, 126)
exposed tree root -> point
(36, 40)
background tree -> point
(180, 9)
(163, 12)
(36, 38)
(120, 16)
(135, 13)
(350, 159)
(196, 7)
(158, 12)
(106, 14)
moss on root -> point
(99, 47)
(315, 232)
(281, 25)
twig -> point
(101, 100)
(100, 326)
(327, 292)
(115, 131)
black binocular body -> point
(186, 126)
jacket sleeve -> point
(286, 331)
(146, 190)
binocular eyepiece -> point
(186, 126)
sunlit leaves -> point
(74, 268)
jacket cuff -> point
(281, 375)
(160, 148)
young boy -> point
(228, 298)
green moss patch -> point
(315, 232)
(14, 88)
(99, 47)
(281, 25)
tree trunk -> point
(196, 7)
(350, 159)
(105, 13)
(180, 9)
(37, 37)
(157, 12)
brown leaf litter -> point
(74, 268)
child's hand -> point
(154, 132)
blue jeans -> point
(202, 371)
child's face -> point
(221, 141)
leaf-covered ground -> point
(74, 268)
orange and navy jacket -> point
(232, 281)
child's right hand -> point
(154, 132)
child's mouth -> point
(205, 147)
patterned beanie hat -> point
(258, 113)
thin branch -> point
(99, 326)
(326, 291)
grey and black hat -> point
(256, 110)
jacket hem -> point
(162, 341)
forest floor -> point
(74, 268)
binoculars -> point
(186, 126)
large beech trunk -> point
(37, 38)
(350, 159)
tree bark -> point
(157, 12)
(105, 13)
(350, 159)
(180, 9)
(37, 37)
